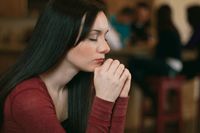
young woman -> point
(63, 83)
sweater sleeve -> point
(100, 116)
(119, 115)
(34, 113)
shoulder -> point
(34, 85)
(32, 108)
(30, 91)
(30, 95)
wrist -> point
(123, 95)
(106, 98)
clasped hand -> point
(112, 80)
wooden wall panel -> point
(13, 8)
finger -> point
(130, 76)
(120, 70)
(128, 82)
(124, 75)
(114, 66)
(106, 64)
(126, 87)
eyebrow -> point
(99, 31)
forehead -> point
(101, 22)
(142, 9)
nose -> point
(104, 47)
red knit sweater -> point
(30, 109)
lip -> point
(100, 60)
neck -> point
(58, 77)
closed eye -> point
(93, 36)
(91, 39)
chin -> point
(91, 69)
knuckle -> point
(123, 78)
(116, 62)
(130, 75)
(126, 72)
(122, 66)
(109, 60)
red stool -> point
(163, 86)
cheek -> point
(81, 55)
(85, 58)
(85, 52)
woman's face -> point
(143, 15)
(90, 53)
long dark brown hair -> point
(55, 33)
(164, 19)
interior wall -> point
(13, 8)
(179, 15)
(116, 5)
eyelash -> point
(96, 39)
(91, 39)
(106, 39)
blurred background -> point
(158, 40)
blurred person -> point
(121, 23)
(191, 67)
(114, 40)
(193, 17)
(63, 83)
(140, 27)
(169, 44)
(167, 57)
